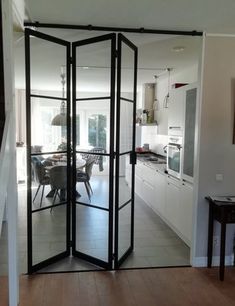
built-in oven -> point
(174, 156)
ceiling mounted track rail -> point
(110, 29)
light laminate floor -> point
(156, 245)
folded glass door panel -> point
(125, 149)
(48, 152)
(93, 142)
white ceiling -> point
(155, 51)
(209, 15)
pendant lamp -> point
(167, 97)
(61, 119)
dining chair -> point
(58, 180)
(40, 176)
(85, 176)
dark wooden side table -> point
(221, 209)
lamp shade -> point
(59, 120)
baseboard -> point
(202, 261)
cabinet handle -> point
(174, 127)
(183, 184)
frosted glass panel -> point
(189, 137)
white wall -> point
(216, 153)
(11, 192)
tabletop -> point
(80, 163)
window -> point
(97, 130)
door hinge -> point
(133, 158)
(70, 244)
(113, 256)
(116, 53)
(71, 60)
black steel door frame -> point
(112, 38)
(28, 33)
(123, 40)
(71, 170)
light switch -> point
(219, 177)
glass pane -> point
(124, 230)
(49, 180)
(93, 179)
(44, 133)
(126, 126)
(125, 179)
(49, 233)
(78, 129)
(127, 72)
(93, 70)
(97, 130)
(94, 124)
(189, 137)
(92, 232)
(48, 61)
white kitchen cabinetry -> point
(159, 202)
(186, 212)
(169, 197)
(176, 110)
(172, 209)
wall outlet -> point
(219, 177)
(216, 241)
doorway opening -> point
(157, 242)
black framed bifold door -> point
(125, 149)
(80, 156)
(93, 140)
(48, 149)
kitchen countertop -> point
(153, 161)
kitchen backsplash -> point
(156, 142)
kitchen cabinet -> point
(189, 132)
(176, 111)
(148, 193)
(186, 212)
(170, 198)
(159, 201)
(172, 209)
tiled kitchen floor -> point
(156, 245)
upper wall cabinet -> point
(176, 111)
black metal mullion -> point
(93, 98)
(119, 57)
(48, 153)
(128, 100)
(111, 149)
(74, 142)
(92, 153)
(133, 147)
(47, 37)
(48, 97)
(28, 134)
(68, 84)
(49, 207)
(92, 206)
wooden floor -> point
(172, 286)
